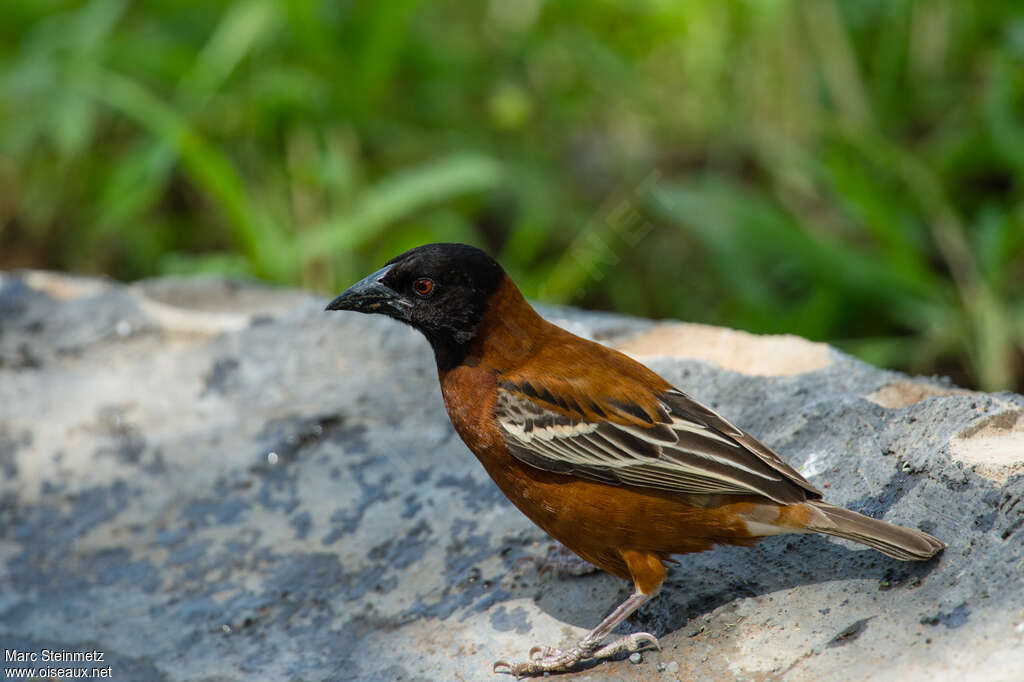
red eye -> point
(423, 286)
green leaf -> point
(396, 197)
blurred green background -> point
(846, 171)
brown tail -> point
(900, 543)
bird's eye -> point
(423, 286)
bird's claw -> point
(539, 652)
(630, 643)
(545, 659)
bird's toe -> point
(627, 644)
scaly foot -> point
(548, 660)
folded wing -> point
(681, 447)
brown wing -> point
(682, 447)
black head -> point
(440, 289)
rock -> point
(211, 480)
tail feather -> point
(901, 543)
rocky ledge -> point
(208, 480)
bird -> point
(599, 451)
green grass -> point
(849, 172)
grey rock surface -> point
(207, 480)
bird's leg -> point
(561, 561)
(549, 660)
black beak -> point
(370, 295)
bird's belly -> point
(599, 521)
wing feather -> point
(685, 447)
